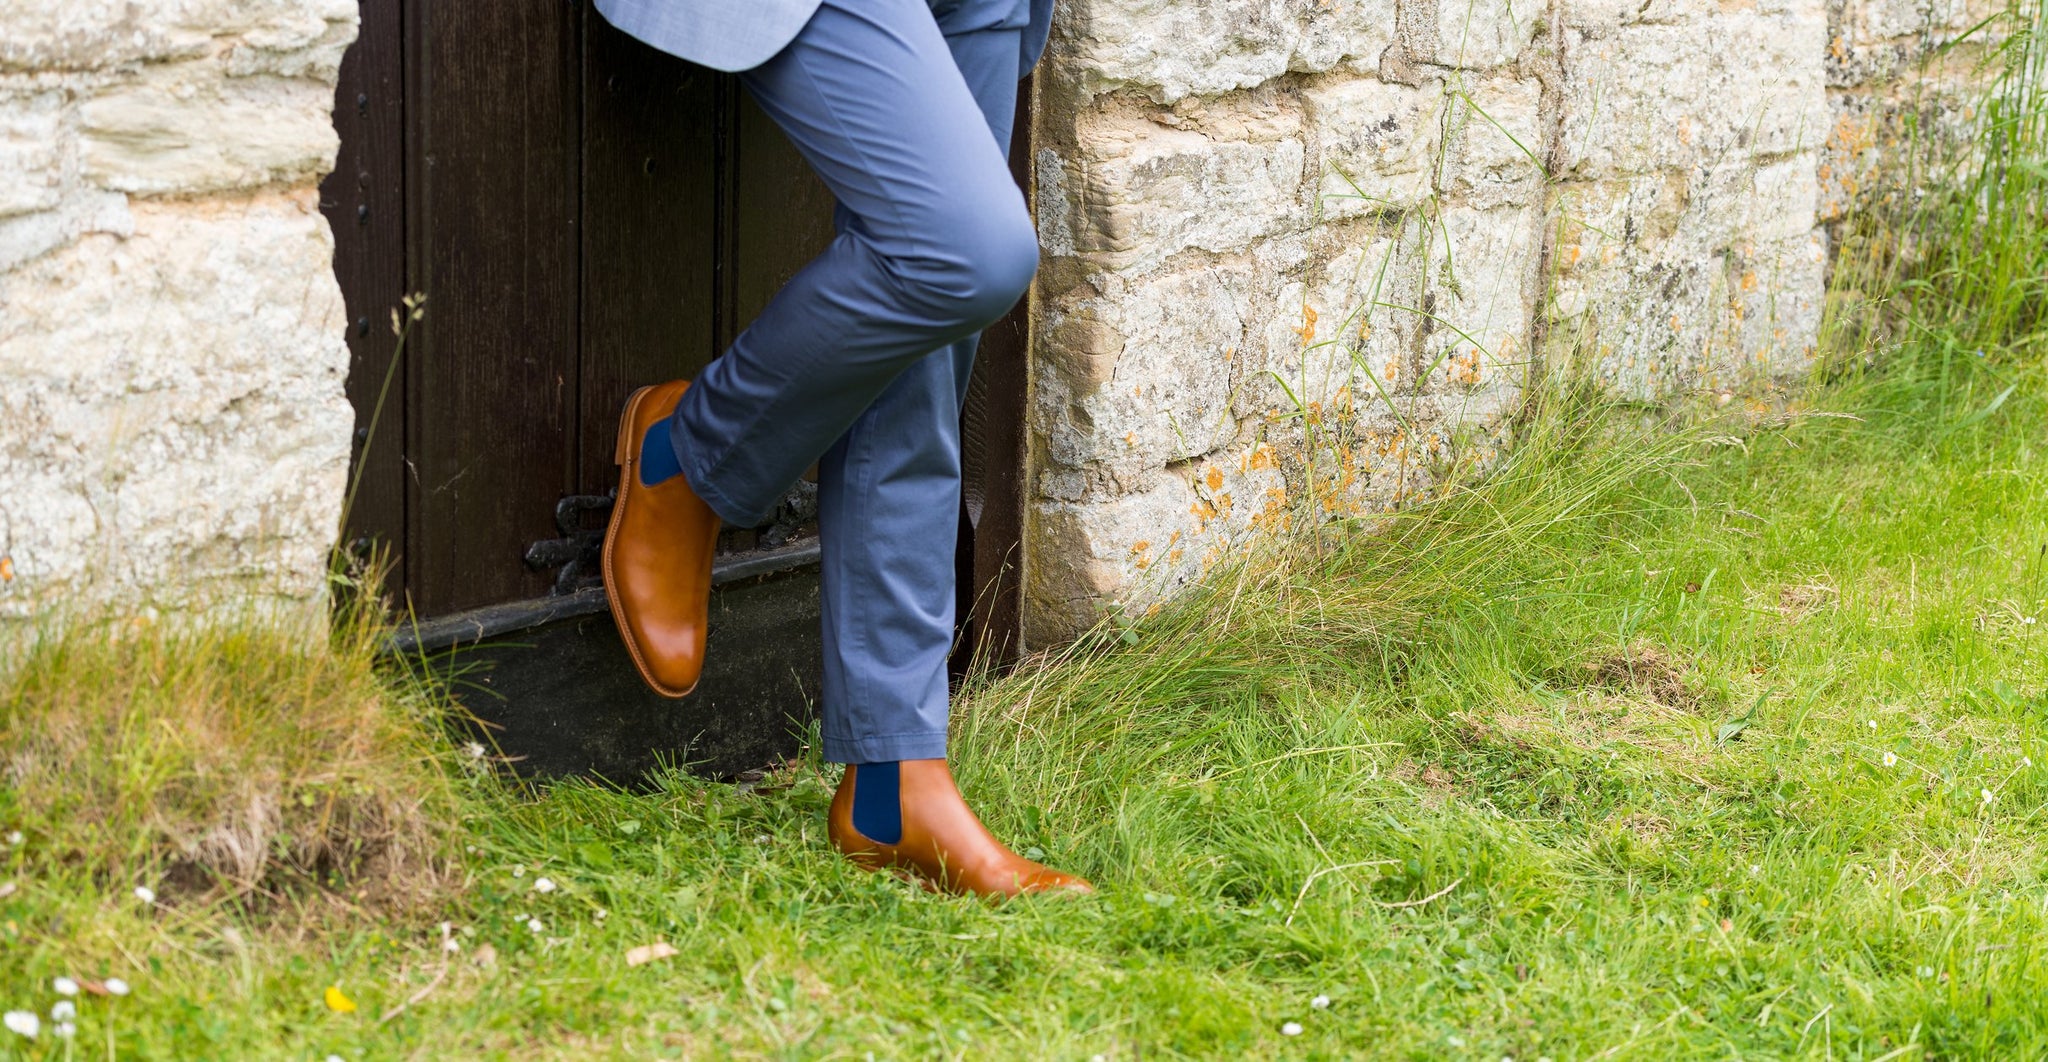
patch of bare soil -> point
(1646, 670)
(1797, 601)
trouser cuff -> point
(925, 745)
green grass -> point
(1490, 801)
(1678, 737)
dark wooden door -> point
(584, 215)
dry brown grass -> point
(1646, 670)
(237, 761)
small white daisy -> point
(145, 894)
(519, 871)
(65, 1010)
(1891, 759)
(24, 1023)
(1320, 1003)
(65, 986)
(1292, 1028)
(65, 1030)
(116, 986)
(13, 837)
(543, 885)
(1872, 723)
(601, 912)
(533, 924)
(1986, 796)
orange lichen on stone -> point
(1307, 331)
(1214, 478)
(1464, 368)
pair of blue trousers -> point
(861, 362)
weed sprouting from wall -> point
(1943, 272)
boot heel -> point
(623, 451)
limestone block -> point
(1495, 142)
(1349, 34)
(1170, 49)
(1480, 34)
(1778, 290)
(33, 159)
(1887, 43)
(1144, 192)
(88, 34)
(1679, 280)
(182, 128)
(1128, 554)
(27, 236)
(1863, 23)
(175, 431)
(1147, 371)
(102, 34)
(1632, 296)
(1336, 348)
(1481, 290)
(1378, 142)
(1645, 96)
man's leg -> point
(889, 499)
(889, 505)
(935, 243)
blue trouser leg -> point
(861, 361)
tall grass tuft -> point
(1356, 604)
(1943, 278)
(234, 760)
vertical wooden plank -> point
(992, 432)
(780, 215)
(650, 187)
(774, 216)
(493, 171)
(364, 202)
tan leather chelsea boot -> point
(943, 843)
(657, 556)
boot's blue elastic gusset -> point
(658, 456)
(877, 805)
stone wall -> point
(1301, 254)
(173, 427)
